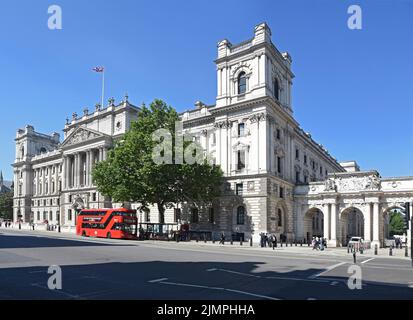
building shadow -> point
(23, 241)
(174, 280)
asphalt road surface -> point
(118, 269)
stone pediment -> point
(81, 135)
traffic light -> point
(406, 211)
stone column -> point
(376, 224)
(326, 216)
(64, 173)
(100, 154)
(333, 241)
(87, 168)
(50, 179)
(367, 223)
(76, 171)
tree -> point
(396, 223)
(6, 205)
(130, 174)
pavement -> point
(124, 269)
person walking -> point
(222, 238)
(274, 241)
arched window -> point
(276, 89)
(280, 218)
(242, 83)
(43, 150)
(241, 215)
(194, 215)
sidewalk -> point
(300, 250)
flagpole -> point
(103, 88)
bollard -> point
(240, 243)
(354, 257)
(301, 243)
(295, 242)
(213, 241)
(348, 249)
(232, 242)
(251, 242)
(391, 251)
(406, 251)
(197, 240)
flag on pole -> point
(99, 69)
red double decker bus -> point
(107, 223)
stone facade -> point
(278, 179)
(53, 179)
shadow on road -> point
(185, 281)
(24, 241)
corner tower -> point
(253, 69)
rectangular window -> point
(305, 159)
(94, 196)
(241, 129)
(281, 192)
(239, 189)
(69, 215)
(321, 170)
(38, 215)
(44, 215)
(305, 179)
(297, 154)
(297, 176)
(279, 169)
(241, 160)
(50, 216)
(278, 134)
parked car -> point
(356, 242)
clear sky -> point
(353, 88)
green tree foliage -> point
(396, 224)
(6, 205)
(130, 174)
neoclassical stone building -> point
(278, 179)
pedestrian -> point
(222, 239)
(274, 241)
(265, 240)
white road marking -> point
(217, 288)
(365, 261)
(311, 299)
(327, 270)
(72, 296)
(212, 269)
(272, 277)
(334, 283)
(158, 280)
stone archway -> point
(384, 221)
(314, 224)
(351, 224)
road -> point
(117, 269)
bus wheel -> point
(108, 235)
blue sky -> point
(353, 88)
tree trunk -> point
(161, 210)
